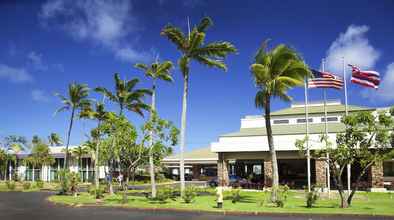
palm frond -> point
(215, 49)
(176, 36)
(211, 62)
(204, 24)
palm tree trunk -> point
(183, 133)
(151, 163)
(68, 139)
(274, 162)
(96, 163)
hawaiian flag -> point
(365, 78)
(325, 80)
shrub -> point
(68, 182)
(10, 185)
(162, 194)
(235, 195)
(189, 194)
(282, 194)
(99, 194)
(26, 185)
(311, 197)
(64, 183)
(39, 184)
(73, 179)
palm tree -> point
(40, 155)
(78, 152)
(100, 115)
(155, 71)
(77, 99)
(54, 139)
(192, 47)
(275, 72)
(126, 96)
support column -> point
(267, 173)
(222, 170)
(196, 170)
(321, 173)
(376, 178)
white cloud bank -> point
(355, 47)
(105, 23)
(385, 91)
(15, 75)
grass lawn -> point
(363, 204)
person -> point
(120, 179)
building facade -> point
(245, 153)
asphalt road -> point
(33, 206)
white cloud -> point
(36, 61)
(15, 75)
(355, 47)
(105, 23)
(39, 96)
(385, 91)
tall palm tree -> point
(275, 72)
(100, 115)
(155, 71)
(126, 96)
(54, 139)
(77, 99)
(192, 47)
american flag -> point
(325, 80)
(365, 78)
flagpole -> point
(346, 114)
(308, 153)
(326, 133)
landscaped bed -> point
(251, 202)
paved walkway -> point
(33, 206)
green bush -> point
(189, 195)
(311, 198)
(282, 194)
(99, 194)
(68, 182)
(39, 184)
(26, 185)
(235, 195)
(10, 185)
(162, 194)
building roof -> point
(288, 129)
(197, 154)
(319, 109)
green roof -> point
(319, 109)
(288, 129)
(201, 153)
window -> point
(388, 168)
(329, 119)
(281, 121)
(303, 120)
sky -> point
(45, 45)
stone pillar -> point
(321, 173)
(222, 170)
(376, 178)
(267, 173)
(196, 170)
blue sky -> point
(46, 45)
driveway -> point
(33, 206)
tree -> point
(78, 152)
(99, 114)
(155, 71)
(161, 136)
(120, 142)
(367, 141)
(275, 72)
(192, 47)
(40, 155)
(54, 139)
(126, 96)
(77, 99)
(12, 145)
